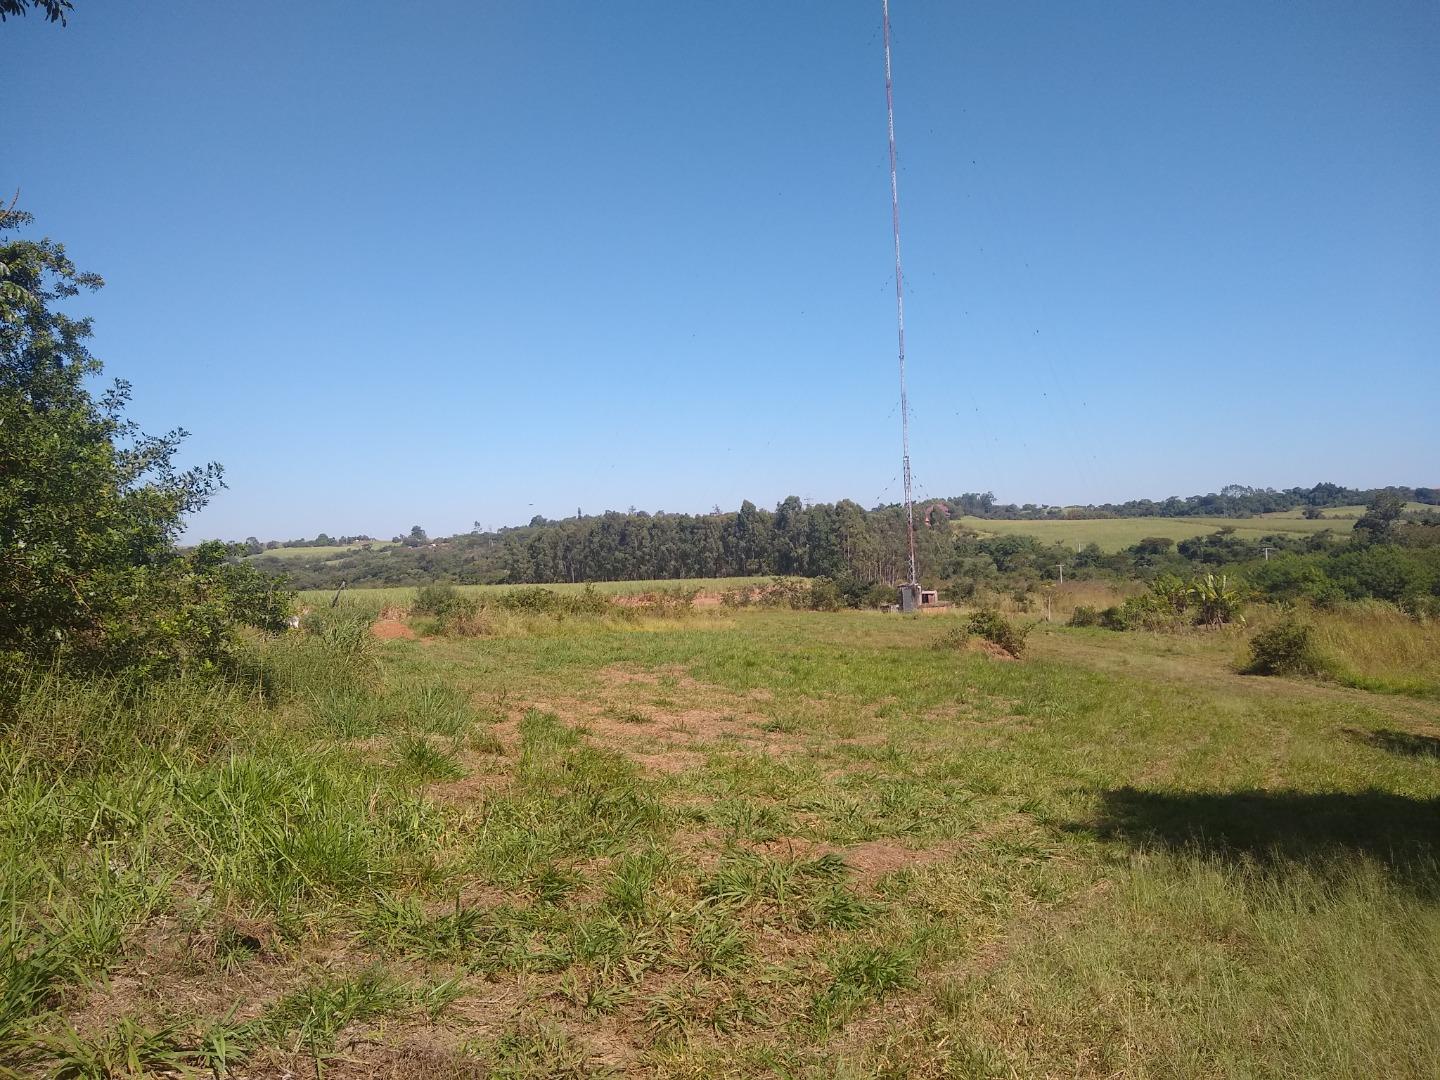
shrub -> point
(1169, 593)
(824, 595)
(956, 637)
(531, 600)
(450, 612)
(1216, 600)
(1085, 616)
(1116, 617)
(591, 601)
(879, 596)
(91, 507)
(1147, 612)
(785, 592)
(998, 630)
(443, 601)
(1421, 608)
(1287, 648)
(673, 603)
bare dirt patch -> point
(990, 649)
(392, 629)
(876, 858)
(663, 738)
(670, 761)
(479, 781)
(172, 972)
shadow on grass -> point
(1280, 828)
(1398, 742)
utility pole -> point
(1267, 553)
(1061, 568)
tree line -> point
(841, 541)
(1233, 500)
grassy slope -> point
(1113, 534)
(797, 843)
(323, 553)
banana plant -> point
(1217, 601)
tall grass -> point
(245, 789)
(403, 596)
(1371, 645)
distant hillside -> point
(840, 540)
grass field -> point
(754, 844)
(325, 552)
(1113, 534)
(1339, 513)
(401, 595)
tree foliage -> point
(1383, 512)
(91, 507)
(52, 10)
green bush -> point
(1287, 648)
(443, 601)
(784, 592)
(824, 595)
(1116, 617)
(91, 508)
(956, 637)
(1085, 616)
(534, 600)
(1145, 612)
(998, 630)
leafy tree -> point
(91, 508)
(1384, 510)
(53, 10)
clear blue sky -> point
(432, 263)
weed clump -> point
(1173, 604)
(1085, 616)
(442, 600)
(956, 637)
(1287, 648)
(450, 612)
(998, 630)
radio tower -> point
(914, 580)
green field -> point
(730, 844)
(1341, 512)
(324, 552)
(400, 596)
(1114, 534)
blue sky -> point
(395, 264)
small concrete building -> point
(913, 598)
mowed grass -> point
(401, 596)
(753, 844)
(1115, 534)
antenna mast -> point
(899, 300)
